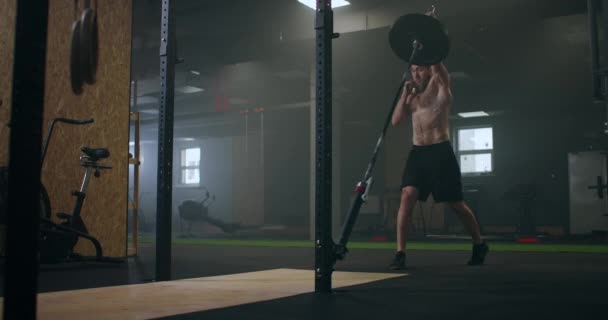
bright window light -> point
(476, 163)
(190, 165)
(334, 4)
(475, 149)
(473, 114)
(475, 139)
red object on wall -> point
(221, 103)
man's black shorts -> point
(434, 169)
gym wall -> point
(247, 182)
(107, 101)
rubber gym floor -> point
(518, 281)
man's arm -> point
(403, 105)
(440, 72)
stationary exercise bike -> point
(57, 240)
(45, 203)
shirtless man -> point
(431, 166)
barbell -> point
(421, 32)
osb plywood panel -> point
(7, 43)
(170, 298)
(107, 101)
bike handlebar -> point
(52, 126)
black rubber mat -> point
(438, 285)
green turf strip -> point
(412, 245)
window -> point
(190, 166)
(475, 150)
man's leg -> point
(448, 189)
(480, 248)
(409, 196)
(468, 219)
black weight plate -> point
(427, 30)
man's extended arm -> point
(440, 72)
(403, 105)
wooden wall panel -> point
(107, 101)
(7, 44)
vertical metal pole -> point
(602, 44)
(262, 138)
(312, 150)
(324, 245)
(593, 41)
(23, 218)
(165, 143)
(605, 176)
(247, 138)
(136, 164)
(136, 167)
(133, 94)
(606, 122)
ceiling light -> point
(189, 89)
(334, 4)
(473, 114)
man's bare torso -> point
(430, 111)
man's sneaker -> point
(479, 254)
(398, 262)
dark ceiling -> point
(221, 32)
(260, 53)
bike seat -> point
(95, 154)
